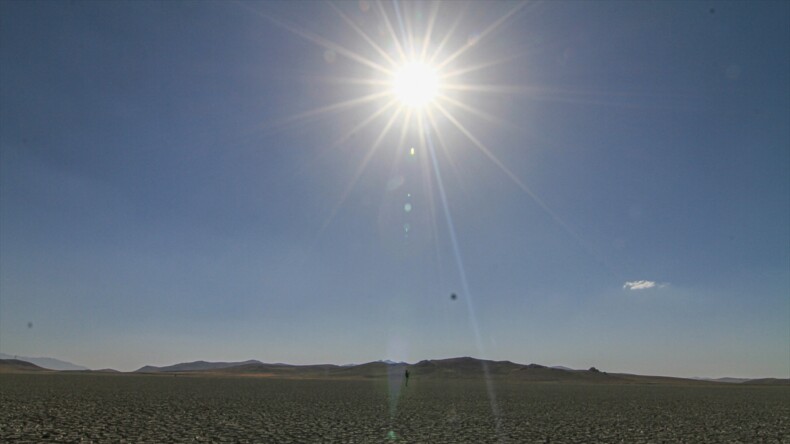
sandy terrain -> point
(59, 407)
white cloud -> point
(640, 285)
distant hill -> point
(439, 369)
(390, 362)
(193, 366)
(562, 367)
(376, 369)
(463, 367)
(453, 368)
(286, 370)
(728, 380)
(47, 363)
(18, 366)
(768, 381)
(466, 367)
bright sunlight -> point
(415, 84)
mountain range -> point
(453, 368)
(194, 366)
(47, 363)
(431, 369)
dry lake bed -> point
(83, 407)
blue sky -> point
(171, 190)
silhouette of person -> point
(407, 377)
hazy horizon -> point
(721, 374)
(590, 184)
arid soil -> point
(81, 407)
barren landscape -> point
(95, 407)
(394, 221)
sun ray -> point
(448, 34)
(364, 123)
(593, 252)
(403, 133)
(482, 114)
(393, 34)
(350, 81)
(478, 67)
(404, 129)
(546, 94)
(406, 28)
(487, 152)
(426, 43)
(364, 35)
(326, 109)
(491, 28)
(432, 208)
(426, 137)
(321, 41)
(401, 145)
(443, 145)
(360, 169)
(484, 88)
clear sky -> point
(609, 184)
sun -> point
(415, 85)
(417, 78)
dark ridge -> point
(430, 370)
(282, 370)
(193, 366)
(16, 365)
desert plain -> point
(124, 407)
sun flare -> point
(415, 85)
(419, 78)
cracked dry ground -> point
(162, 408)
